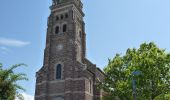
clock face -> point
(59, 47)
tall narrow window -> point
(64, 28)
(58, 71)
(57, 29)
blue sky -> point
(112, 26)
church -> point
(66, 73)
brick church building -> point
(66, 73)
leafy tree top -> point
(8, 82)
(154, 80)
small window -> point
(62, 16)
(66, 15)
(58, 71)
(57, 18)
(64, 28)
(57, 29)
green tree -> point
(153, 82)
(8, 83)
(163, 97)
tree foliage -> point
(8, 82)
(152, 83)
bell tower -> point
(66, 73)
(66, 28)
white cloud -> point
(13, 42)
(27, 97)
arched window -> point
(57, 18)
(62, 16)
(90, 86)
(64, 28)
(66, 15)
(57, 29)
(58, 71)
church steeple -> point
(66, 22)
(65, 75)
